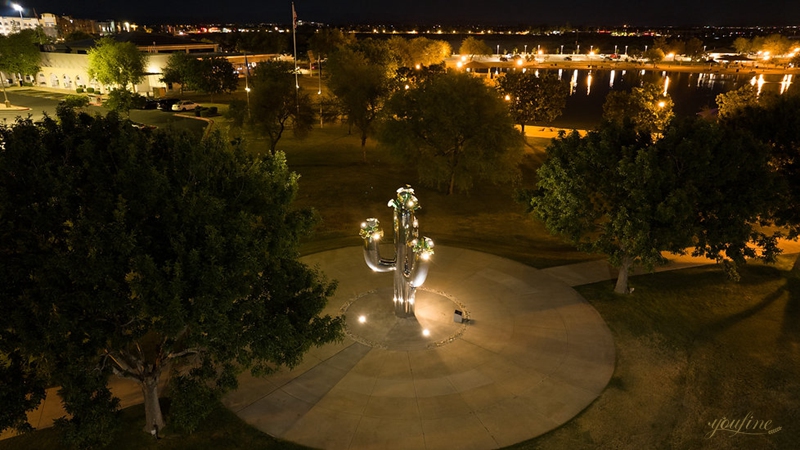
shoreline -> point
(749, 68)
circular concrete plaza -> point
(531, 355)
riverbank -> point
(581, 62)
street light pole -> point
(17, 8)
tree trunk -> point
(364, 145)
(622, 278)
(5, 96)
(152, 407)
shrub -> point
(90, 90)
(79, 90)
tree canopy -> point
(277, 104)
(210, 74)
(19, 54)
(454, 129)
(533, 98)
(118, 64)
(617, 192)
(136, 252)
(418, 52)
(777, 123)
(474, 47)
(647, 107)
(361, 77)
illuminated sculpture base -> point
(371, 320)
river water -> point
(690, 92)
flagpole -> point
(294, 42)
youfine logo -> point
(748, 425)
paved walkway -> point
(532, 356)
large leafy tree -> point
(180, 69)
(118, 64)
(533, 98)
(777, 123)
(361, 77)
(616, 192)
(19, 55)
(215, 75)
(211, 75)
(137, 253)
(277, 104)
(454, 129)
(647, 107)
(732, 102)
(419, 51)
(327, 40)
(474, 47)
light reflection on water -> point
(690, 92)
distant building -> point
(65, 65)
(15, 24)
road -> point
(41, 102)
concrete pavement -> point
(532, 355)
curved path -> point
(532, 355)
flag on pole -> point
(294, 17)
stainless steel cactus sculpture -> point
(411, 255)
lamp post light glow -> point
(412, 254)
(17, 8)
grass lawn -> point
(223, 430)
(691, 346)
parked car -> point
(165, 104)
(184, 105)
(148, 104)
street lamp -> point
(526, 49)
(498, 49)
(247, 89)
(17, 8)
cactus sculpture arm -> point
(412, 253)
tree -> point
(777, 123)
(276, 103)
(418, 52)
(361, 78)
(474, 47)
(122, 101)
(654, 55)
(743, 45)
(138, 253)
(180, 69)
(731, 102)
(454, 128)
(117, 64)
(215, 75)
(775, 45)
(616, 192)
(646, 107)
(77, 35)
(531, 98)
(694, 48)
(19, 56)
(327, 40)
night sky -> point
(428, 12)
